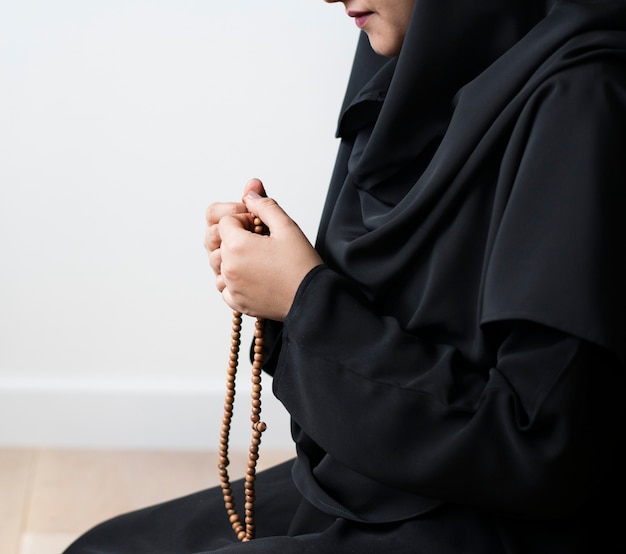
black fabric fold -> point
(391, 238)
(472, 212)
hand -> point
(258, 274)
(212, 238)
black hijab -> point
(457, 195)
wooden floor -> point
(49, 497)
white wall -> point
(120, 121)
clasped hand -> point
(257, 274)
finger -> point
(267, 210)
(220, 284)
(218, 210)
(212, 238)
(215, 261)
(254, 185)
(229, 226)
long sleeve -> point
(420, 417)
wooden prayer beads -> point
(245, 531)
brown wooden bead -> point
(243, 532)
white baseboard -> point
(175, 415)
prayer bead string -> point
(244, 531)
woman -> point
(452, 350)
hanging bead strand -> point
(244, 531)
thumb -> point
(266, 209)
(256, 185)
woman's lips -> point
(360, 18)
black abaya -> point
(454, 369)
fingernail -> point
(253, 194)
